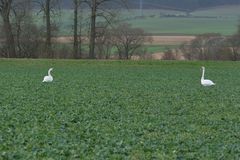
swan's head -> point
(50, 69)
(203, 67)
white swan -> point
(206, 82)
(48, 78)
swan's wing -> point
(209, 82)
(45, 79)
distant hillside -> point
(188, 5)
(182, 4)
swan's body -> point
(49, 77)
(206, 82)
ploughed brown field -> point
(171, 40)
(161, 40)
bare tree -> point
(104, 43)
(208, 46)
(5, 9)
(48, 7)
(21, 10)
(201, 44)
(214, 47)
(99, 8)
(77, 27)
(27, 34)
(233, 43)
(128, 40)
(94, 5)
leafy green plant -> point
(118, 110)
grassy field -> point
(159, 48)
(223, 19)
(119, 110)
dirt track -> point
(156, 40)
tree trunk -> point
(75, 44)
(127, 55)
(77, 39)
(93, 31)
(235, 57)
(126, 52)
(80, 41)
(11, 50)
(48, 25)
(7, 28)
(18, 34)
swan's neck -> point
(49, 72)
(203, 71)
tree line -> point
(21, 37)
(208, 46)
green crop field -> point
(119, 110)
(223, 19)
(159, 48)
